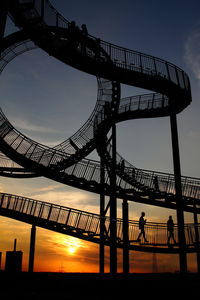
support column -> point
(125, 237)
(113, 207)
(178, 190)
(3, 18)
(32, 249)
(102, 215)
(197, 238)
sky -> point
(48, 101)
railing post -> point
(68, 216)
(154, 62)
(140, 58)
(177, 77)
(3, 17)
(178, 191)
(125, 59)
(2, 199)
(57, 19)
(167, 68)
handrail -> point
(111, 46)
(86, 225)
(166, 181)
(191, 186)
(84, 136)
(121, 56)
(45, 156)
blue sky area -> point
(49, 101)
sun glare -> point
(69, 245)
(73, 244)
(71, 250)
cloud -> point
(36, 131)
(25, 125)
(2, 188)
(48, 188)
(72, 198)
(192, 53)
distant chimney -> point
(15, 245)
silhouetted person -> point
(133, 174)
(155, 182)
(100, 54)
(84, 30)
(98, 49)
(84, 33)
(106, 109)
(73, 30)
(122, 165)
(142, 223)
(170, 230)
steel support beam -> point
(197, 238)
(32, 249)
(113, 207)
(102, 215)
(178, 190)
(125, 237)
(3, 18)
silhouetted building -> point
(13, 260)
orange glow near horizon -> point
(56, 252)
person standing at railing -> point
(142, 223)
(133, 174)
(107, 110)
(122, 166)
(170, 230)
(155, 182)
(73, 31)
(84, 33)
(98, 49)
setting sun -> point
(71, 250)
(73, 244)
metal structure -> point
(86, 225)
(40, 25)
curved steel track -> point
(42, 26)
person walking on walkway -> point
(142, 223)
(170, 230)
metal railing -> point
(78, 221)
(122, 57)
(88, 169)
(143, 102)
(84, 136)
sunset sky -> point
(48, 101)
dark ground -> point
(95, 286)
